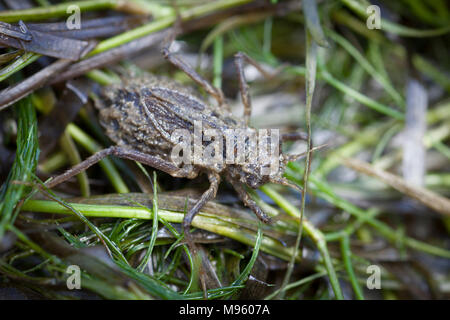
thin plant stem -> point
(218, 61)
(346, 257)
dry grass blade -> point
(36, 81)
(44, 43)
(430, 199)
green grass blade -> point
(25, 163)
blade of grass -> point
(186, 250)
(248, 268)
(218, 61)
(432, 71)
(68, 146)
(154, 226)
(384, 82)
(155, 287)
(358, 96)
(231, 23)
(346, 257)
(313, 22)
(164, 22)
(322, 189)
(430, 199)
(360, 8)
(212, 223)
(311, 63)
(25, 162)
(315, 234)
(298, 283)
(60, 10)
(18, 64)
(110, 246)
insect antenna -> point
(288, 158)
(294, 157)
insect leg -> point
(180, 64)
(214, 180)
(144, 158)
(248, 201)
(285, 182)
(239, 59)
(294, 136)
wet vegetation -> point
(374, 98)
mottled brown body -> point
(141, 113)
